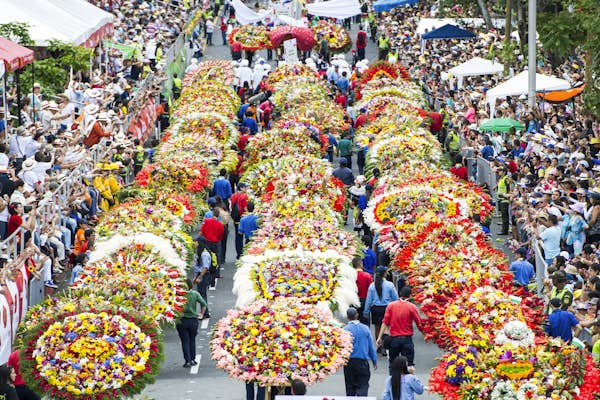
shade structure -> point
(501, 125)
(13, 55)
(72, 21)
(562, 96)
(305, 38)
(387, 5)
(448, 31)
(335, 8)
(519, 84)
(244, 15)
(475, 67)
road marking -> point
(195, 368)
(214, 287)
(204, 323)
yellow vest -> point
(383, 42)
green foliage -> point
(53, 72)
(17, 32)
(558, 33)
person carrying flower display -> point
(222, 187)
(398, 323)
(187, 327)
(356, 371)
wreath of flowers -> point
(324, 114)
(217, 70)
(290, 74)
(272, 342)
(392, 154)
(95, 354)
(251, 37)
(311, 276)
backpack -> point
(214, 263)
(236, 215)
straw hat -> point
(91, 109)
(28, 164)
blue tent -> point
(448, 31)
(387, 5)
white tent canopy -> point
(518, 85)
(245, 15)
(72, 21)
(430, 24)
(335, 8)
(475, 67)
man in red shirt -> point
(212, 230)
(459, 169)
(239, 198)
(398, 323)
(361, 43)
(361, 119)
(363, 281)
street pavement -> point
(207, 382)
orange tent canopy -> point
(560, 96)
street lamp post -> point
(532, 47)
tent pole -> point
(33, 91)
(5, 105)
(17, 77)
(532, 47)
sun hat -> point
(28, 164)
(91, 109)
(570, 269)
(577, 207)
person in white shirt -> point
(18, 143)
(210, 28)
(66, 114)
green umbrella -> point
(501, 125)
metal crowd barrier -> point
(486, 175)
(541, 267)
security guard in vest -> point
(139, 156)
(383, 44)
(560, 290)
(503, 189)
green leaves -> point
(17, 32)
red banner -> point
(141, 126)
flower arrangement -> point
(203, 124)
(292, 96)
(311, 276)
(251, 37)
(95, 354)
(295, 233)
(461, 365)
(180, 174)
(289, 74)
(272, 342)
(515, 333)
(321, 114)
(277, 143)
(392, 154)
(216, 70)
(208, 96)
(337, 36)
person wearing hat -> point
(560, 290)
(380, 293)
(503, 189)
(96, 128)
(356, 370)
(107, 185)
(575, 235)
(522, 269)
(398, 323)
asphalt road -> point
(207, 382)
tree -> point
(569, 27)
(17, 32)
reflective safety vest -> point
(138, 158)
(502, 189)
(565, 296)
(383, 42)
(454, 143)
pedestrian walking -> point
(356, 371)
(381, 293)
(398, 323)
(401, 384)
(363, 281)
(203, 275)
(187, 327)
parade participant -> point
(401, 384)
(187, 327)
(7, 383)
(356, 370)
(222, 187)
(363, 281)
(398, 323)
(239, 202)
(343, 173)
(21, 388)
(380, 294)
(212, 230)
(522, 269)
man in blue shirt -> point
(561, 322)
(248, 223)
(369, 259)
(356, 371)
(522, 269)
(202, 270)
(250, 123)
(221, 186)
(343, 83)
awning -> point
(335, 8)
(562, 96)
(14, 56)
(245, 15)
(72, 21)
(475, 67)
(448, 31)
(387, 5)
